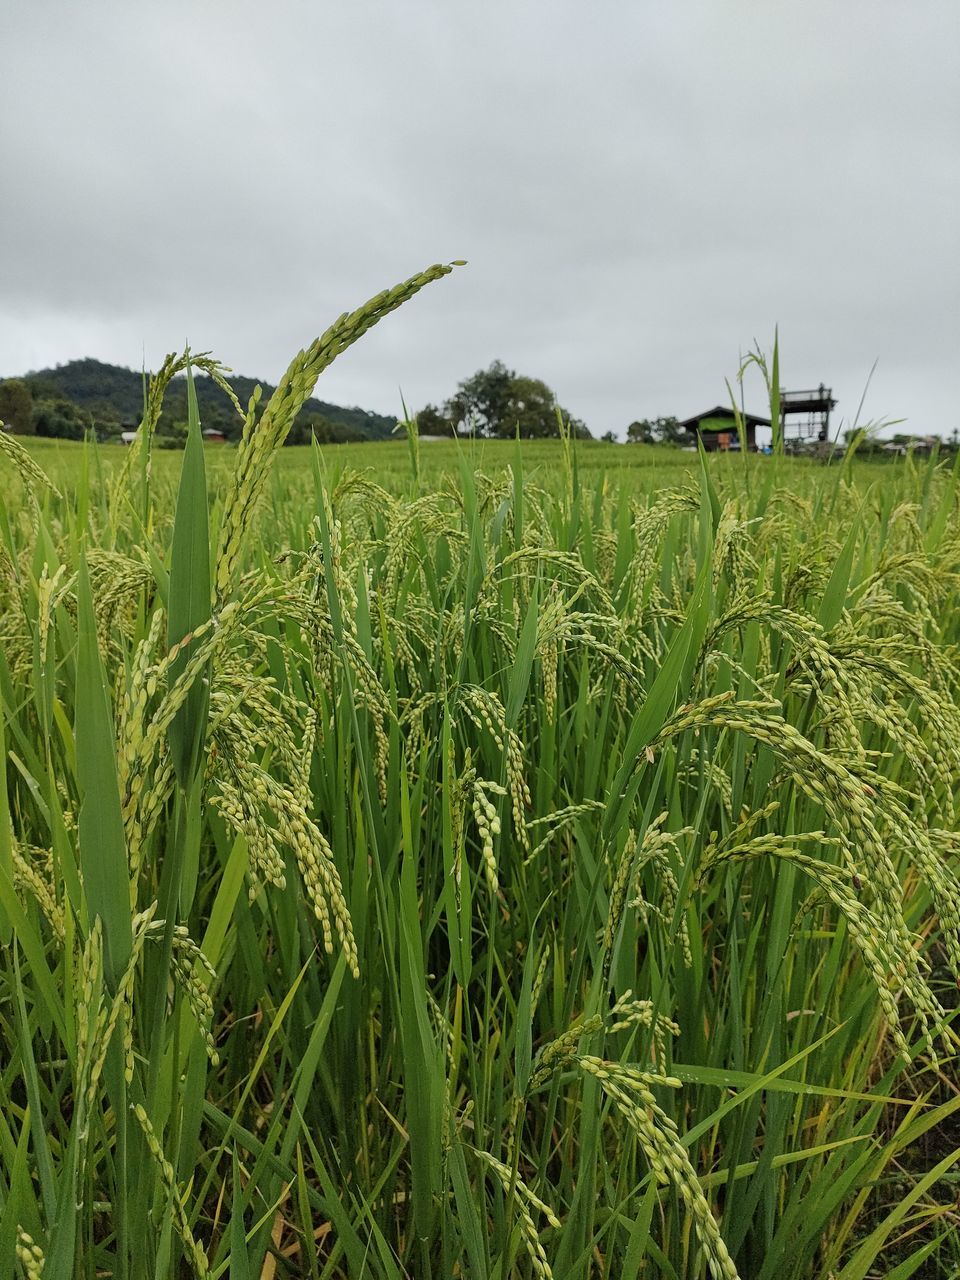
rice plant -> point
(489, 868)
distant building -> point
(716, 428)
(127, 437)
(912, 444)
(214, 437)
(809, 414)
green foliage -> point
(657, 431)
(110, 393)
(641, 432)
(61, 419)
(324, 430)
(189, 599)
(497, 402)
(432, 421)
(171, 435)
(16, 406)
(479, 406)
(102, 847)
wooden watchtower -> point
(805, 415)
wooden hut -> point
(717, 428)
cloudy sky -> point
(642, 191)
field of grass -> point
(499, 861)
(635, 470)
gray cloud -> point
(642, 190)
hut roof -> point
(723, 411)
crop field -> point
(476, 860)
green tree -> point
(61, 419)
(16, 405)
(640, 432)
(171, 435)
(657, 431)
(530, 410)
(499, 402)
(480, 403)
(669, 431)
(317, 425)
(432, 421)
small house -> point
(211, 436)
(903, 444)
(716, 429)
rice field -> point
(475, 860)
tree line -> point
(500, 403)
(91, 396)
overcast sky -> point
(641, 189)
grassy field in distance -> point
(643, 467)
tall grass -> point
(492, 873)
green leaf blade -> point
(103, 849)
(189, 594)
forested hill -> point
(113, 396)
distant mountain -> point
(114, 397)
